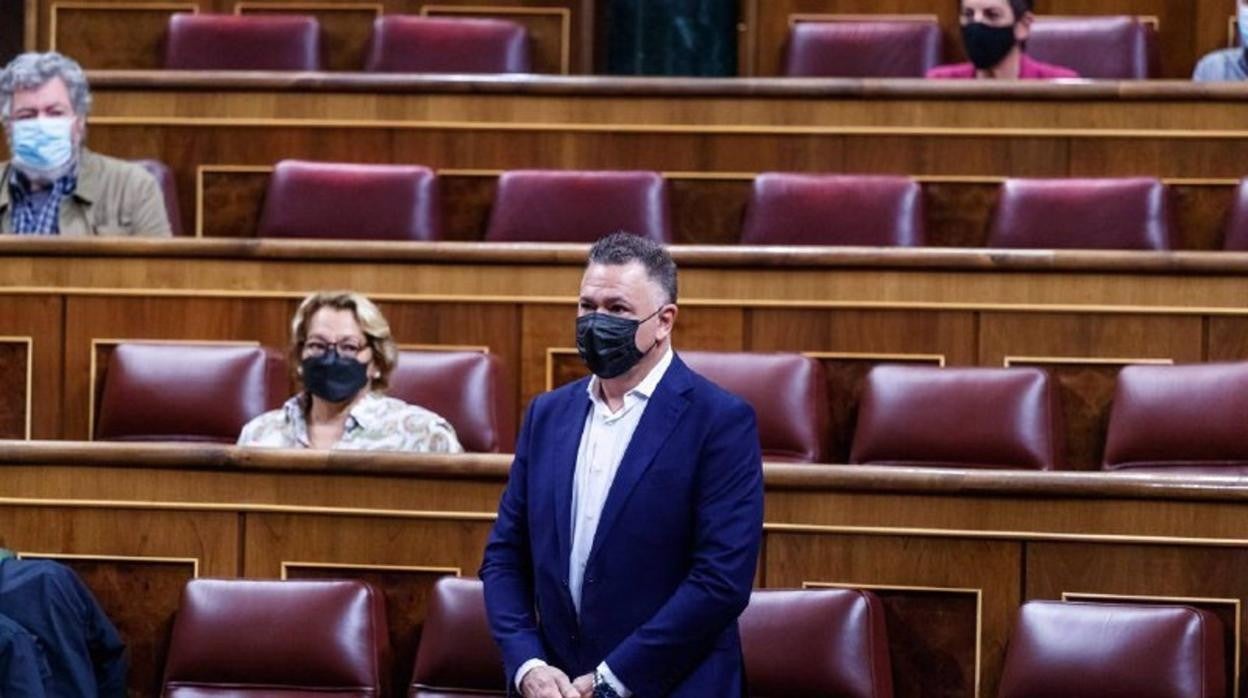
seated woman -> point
(344, 353)
(994, 33)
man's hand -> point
(584, 685)
(549, 682)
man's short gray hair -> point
(31, 71)
(622, 248)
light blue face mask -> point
(44, 145)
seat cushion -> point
(169, 189)
(1093, 650)
(242, 42)
(270, 638)
(1112, 214)
(466, 389)
(332, 200)
(959, 417)
(788, 393)
(457, 654)
(795, 209)
(578, 206)
(866, 49)
(816, 643)
(187, 392)
(434, 45)
(1105, 48)
(1191, 416)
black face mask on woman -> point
(333, 378)
(986, 45)
(608, 344)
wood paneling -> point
(38, 317)
(15, 377)
(346, 27)
(111, 35)
(12, 29)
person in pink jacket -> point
(994, 33)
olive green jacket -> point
(114, 197)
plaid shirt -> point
(32, 216)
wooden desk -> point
(1083, 315)
(952, 553)
(222, 134)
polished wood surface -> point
(952, 552)
(129, 34)
(1080, 315)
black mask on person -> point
(608, 344)
(986, 45)
(332, 377)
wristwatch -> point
(602, 689)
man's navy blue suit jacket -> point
(673, 560)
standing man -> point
(54, 185)
(628, 536)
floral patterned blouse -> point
(376, 423)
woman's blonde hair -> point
(372, 322)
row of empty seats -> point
(1111, 47)
(1188, 417)
(399, 43)
(401, 202)
(252, 638)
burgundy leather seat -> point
(332, 200)
(875, 49)
(795, 209)
(242, 42)
(1107, 48)
(578, 206)
(263, 639)
(788, 393)
(406, 44)
(959, 417)
(464, 387)
(169, 189)
(1111, 214)
(1236, 228)
(457, 657)
(187, 392)
(813, 643)
(1191, 418)
(1093, 650)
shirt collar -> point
(369, 409)
(19, 184)
(645, 388)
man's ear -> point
(667, 320)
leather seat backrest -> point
(1087, 650)
(788, 393)
(1110, 214)
(1105, 48)
(239, 638)
(796, 209)
(333, 200)
(465, 388)
(169, 190)
(242, 42)
(863, 49)
(457, 655)
(578, 206)
(959, 417)
(187, 392)
(409, 44)
(813, 643)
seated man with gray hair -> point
(54, 185)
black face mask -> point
(986, 45)
(608, 344)
(333, 378)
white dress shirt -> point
(604, 439)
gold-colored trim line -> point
(96, 343)
(476, 348)
(564, 14)
(31, 40)
(287, 566)
(979, 609)
(798, 17)
(1150, 20)
(192, 561)
(250, 508)
(1011, 361)
(1027, 536)
(1236, 603)
(56, 7)
(550, 363)
(30, 376)
(241, 8)
(938, 359)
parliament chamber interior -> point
(995, 332)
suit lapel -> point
(572, 422)
(660, 419)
